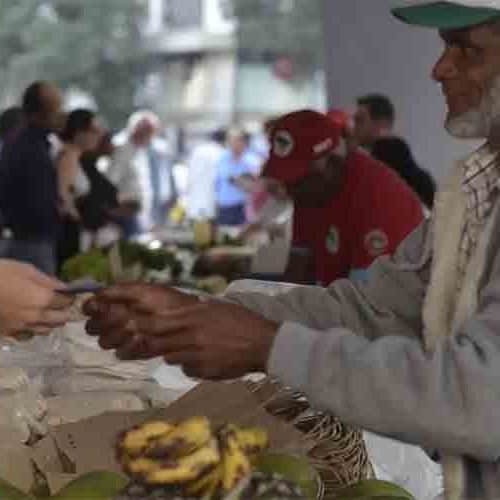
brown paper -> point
(56, 481)
(89, 445)
(46, 455)
(16, 466)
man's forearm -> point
(392, 387)
(389, 304)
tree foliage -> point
(281, 27)
(93, 45)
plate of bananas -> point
(191, 459)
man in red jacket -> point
(349, 208)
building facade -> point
(203, 79)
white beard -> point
(478, 123)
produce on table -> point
(93, 264)
(269, 486)
(192, 460)
(292, 468)
(203, 232)
(214, 285)
(189, 459)
(123, 261)
(373, 488)
(227, 240)
(93, 486)
(9, 492)
(157, 259)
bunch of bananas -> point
(190, 455)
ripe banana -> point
(235, 464)
(184, 439)
(189, 454)
(207, 485)
(140, 467)
(251, 440)
(136, 440)
(187, 468)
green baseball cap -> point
(448, 15)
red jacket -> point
(372, 214)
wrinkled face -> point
(321, 185)
(469, 74)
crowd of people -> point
(402, 337)
(52, 189)
(63, 177)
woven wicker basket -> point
(338, 453)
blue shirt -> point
(227, 194)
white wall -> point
(369, 51)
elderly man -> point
(413, 354)
(141, 170)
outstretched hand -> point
(211, 340)
(29, 300)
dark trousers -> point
(68, 243)
(231, 216)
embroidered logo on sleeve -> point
(376, 242)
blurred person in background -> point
(373, 128)
(80, 135)
(29, 198)
(259, 197)
(100, 206)
(11, 123)
(259, 142)
(236, 162)
(142, 171)
(374, 118)
(349, 209)
(396, 154)
(202, 173)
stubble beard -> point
(478, 123)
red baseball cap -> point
(296, 140)
(340, 117)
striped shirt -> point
(481, 179)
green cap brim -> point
(445, 15)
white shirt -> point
(130, 173)
(200, 192)
(123, 175)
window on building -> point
(183, 14)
